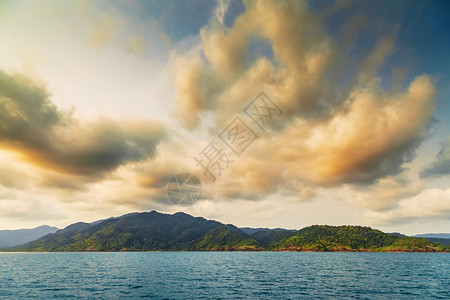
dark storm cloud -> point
(33, 126)
(26, 115)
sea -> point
(224, 275)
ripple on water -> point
(224, 275)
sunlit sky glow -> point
(102, 102)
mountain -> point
(11, 238)
(442, 238)
(434, 235)
(250, 231)
(153, 231)
(149, 231)
(268, 236)
(353, 238)
(441, 241)
(396, 234)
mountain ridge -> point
(433, 235)
(154, 231)
(16, 237)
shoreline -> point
(274, 251)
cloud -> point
(371, 140)
(136, 44)
(303, 73)
(31, 125)
(342, 124)
(105, 24)
(13, 174)
(375, 135)
(335, 129)
(222, 6)
(194, 89)
(30, 208)
(384, 195)
(104, 31)
(441, 166)
(429, 204)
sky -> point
(290, 113)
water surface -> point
(225, 275)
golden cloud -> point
(333, 130)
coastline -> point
(395, 250)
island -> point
(154, 231)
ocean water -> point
(224, 275)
